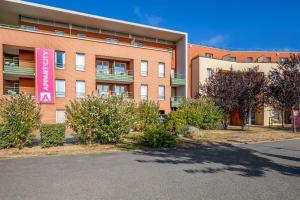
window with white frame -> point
(80, 88)
(60, 116)
(80, 61)
(119, 68)
(119, 89)
(103, 90)
(161, 70)
(60, 59)
(161, 92)
(144, 68)
(172, 73)
(209, 73)
(60, 88)
(59, 32)
(81, 35)
(102, 67)
(144, 92)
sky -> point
(228, 24)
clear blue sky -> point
(231, 24)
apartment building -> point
(206, 60)
(58, 55)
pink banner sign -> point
(45, 76)
(296, 115)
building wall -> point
(91, 49)
(199, 76)
(195, 51)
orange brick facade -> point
(91, 49)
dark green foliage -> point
(157, 137)
(52, 135)
(20, 115)
(6, 139)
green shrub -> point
(147, 115)
(116, 120)
(52, 135)
(20, 115)
(190, 132)
(6, 139)
(176, 120)
(202, 113)
(157, 137)
(100, 119)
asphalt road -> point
(256, 171)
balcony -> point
(176, 101)
(11, 90)
(177, 80)
(14, 67)
(126, 77)
(125, 95)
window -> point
(268, 59)
(161, 93)
(233, 59)
(80, 61)
(81, 35)
(209, 55)
(60, 116)
(102, 67)
(144, 68)
(172, 73)
(58, 32)
(60, 86)
(80, 88)
(137, 44)
(103, 90)
(260, 59)
(144, 92)
(161, 70)
(249, 59)
(60, 59)
(29, 28)
(112, 40)
(119, 68)
(283, 60)
(209, 73)
(119, 89)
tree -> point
(283, 91)
(252, 85)
(240, 91)
(223, 90)
(20, 116)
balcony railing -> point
(13, 67)
(11, 90)
(176, 101)
(126, 77)
(126, 95)
(177, 80)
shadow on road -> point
(244, 161)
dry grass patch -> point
(253, 134)
(128, 143)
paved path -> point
(256, 171)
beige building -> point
(202, 69)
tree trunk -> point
(282, 118)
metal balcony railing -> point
(126, 95)
(121, 77)
(177, 80)
(13, 66)
(176, 101)
(11, 90)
